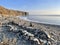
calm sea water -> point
(52, 19)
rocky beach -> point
(16, 31)
(29, 22)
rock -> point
(15, 34)
(58, 43)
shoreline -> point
(47, 24)
(25, 18)
(52, 31)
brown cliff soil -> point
(8, 12)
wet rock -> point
(16, 34)
(58, 43)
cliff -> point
(9, 12)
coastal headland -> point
(10, 12)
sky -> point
(40, 7)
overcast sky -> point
(33, 6)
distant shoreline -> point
(25, 18)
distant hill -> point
(9, 12)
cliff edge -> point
(9, 12)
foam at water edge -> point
(25, 18)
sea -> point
(46, 19)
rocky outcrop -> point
(8, 12)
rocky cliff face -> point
(8, 12)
